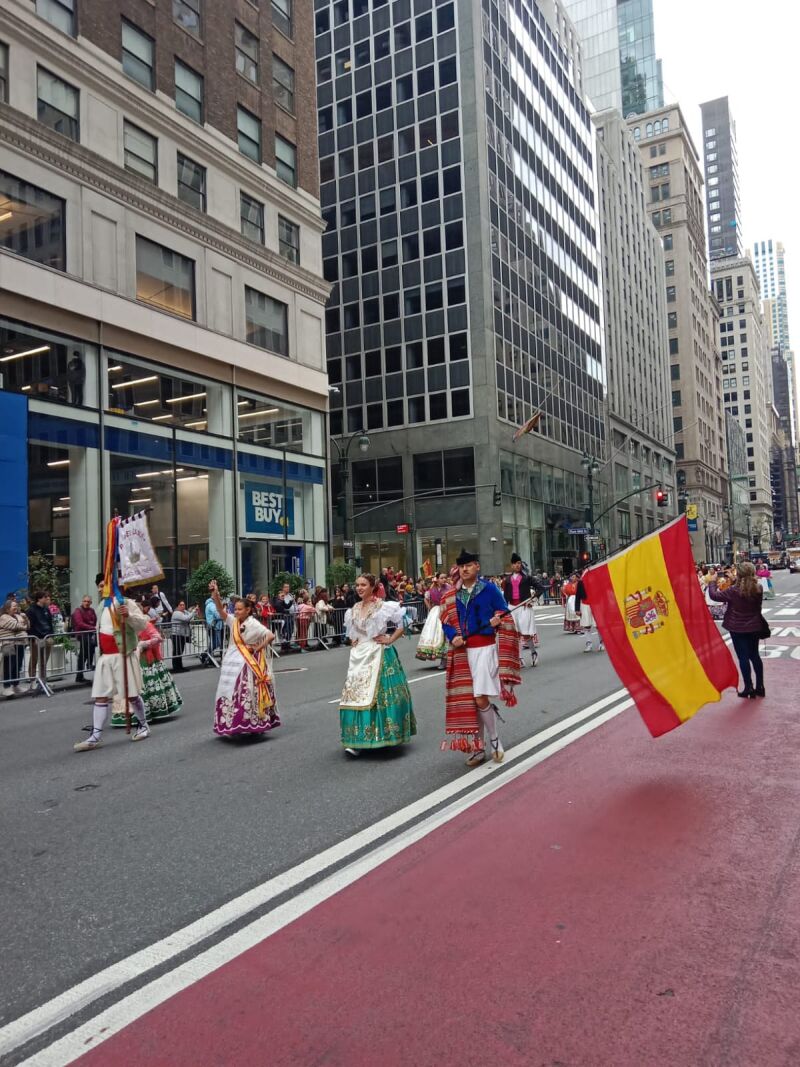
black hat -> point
(515, 558)
(467, 557)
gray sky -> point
(749, 54)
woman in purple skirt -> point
(245, 701)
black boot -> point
(746, 692)
(759, 691)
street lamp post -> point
(343, 451)
(591, 466)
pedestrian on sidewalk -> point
(520, 591)
(84, 624)
(482, 663)
(42, 626)
(375, 709)
(13, 639)
(112, 668)
(584, 610)
(245, 702)
(745, 623)
(181, 632)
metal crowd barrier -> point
(20, 656)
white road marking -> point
(788, 611)
(132, 1007)
(41, 1019)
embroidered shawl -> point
(462, 723)
(256, 660)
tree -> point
(295, 582)
(340, 574)
(46, 576)
(197, 586)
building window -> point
(289, 240)
(667, 242)
(286, 161)
(31, 222)
(249, 128)
(164, 278)
(282, 16)
(137, 55)
(451, 473)
(3, 73)
(188, 91)
(266, 322)
(141, 152)
(191, 182)
(58, 105)
(251, 213)
(246, 53)
(669, 267)
(283, 83)
(187, 14)
(60, 13)
(670, 294)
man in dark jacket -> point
(41, 627)
(84, 624)
(282, 603)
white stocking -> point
(489, 723)
(99, 716)
(137, 705)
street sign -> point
(578, 530)
(347, 544)
(403, 527)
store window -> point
(146, 391)
(276, 424)
(47, 366)
(32, 222)
(266, 321)
(164, 278)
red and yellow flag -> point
(657, 628)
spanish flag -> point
(657, 629)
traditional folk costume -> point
(111, 669)
(486, 665)
(375, 709)
(432, 644)
(159, 692)
(583, 608)
(572, 619)
(519, 591)
(245, 702)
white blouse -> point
(362, 624)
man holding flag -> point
(113, 665)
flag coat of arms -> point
(657, 629)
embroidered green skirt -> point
(159, 693)
(390, 718)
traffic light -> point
(584, 557)
(662, 498)
(497, 499)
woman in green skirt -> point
(159, 693)
(375, 708)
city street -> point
(109, 854)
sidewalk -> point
(627, 903)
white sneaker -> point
(352, 752)
(602, 648)
(7, 692)
(587, 647)
(141, 733)
(20, 690)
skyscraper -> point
(675, 202)
(769, 260)
(161, 290)
(620, 67)
(723, 216)
(747, 379)
(637, 356)
(457, 182)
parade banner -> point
(657, 629)
(138, 562)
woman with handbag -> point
(745, 623)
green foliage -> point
(45, 575)
(295, 582)
(197, 586)
(339, 573)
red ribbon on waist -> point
(108, 645)
(480, 640)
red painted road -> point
(628, 903)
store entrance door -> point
(287, 557)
